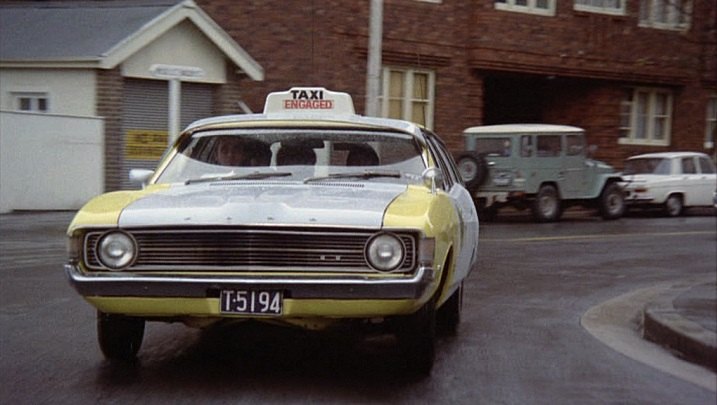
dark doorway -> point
(513, 99)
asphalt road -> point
(521, 340)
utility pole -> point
(373, 75)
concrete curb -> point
(662, 324)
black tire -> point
(416, 336)
(612, 202)
(120, 337)
(448, 316)
(473, 170)
(546, 206)
(486, 214)
(673, 206)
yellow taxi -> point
(306, 215)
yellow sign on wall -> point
(145, 144)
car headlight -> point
(116, 250)
(385, 252)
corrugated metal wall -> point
(145, 122)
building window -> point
(711, 131)
(408, 94)
(34, 102)
(665, 14)
(616, 7)
(544, 7)
(646, 117)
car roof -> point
(667, 155)
(303, 120)
(307, 107)
(508, 129)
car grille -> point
(249, 249)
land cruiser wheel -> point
(473, 170)
(673, 206)
(449, 315)
(120, 337)
(416, 335)
(612, 202)
(546, 206)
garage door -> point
(145, 124)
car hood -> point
(601, 166)
(352, 204)
(646, 178)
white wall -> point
(183, 45)
(70, 91)
(49, 162)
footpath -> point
(685, 320)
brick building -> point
(639, 75)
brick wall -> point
(109, 106)
(593, 58)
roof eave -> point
(169, 19)
(74, 63)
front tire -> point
(612, 202)
(448, 316)
(120, 337)
(673, 206)
(416, 336)
(546, 206)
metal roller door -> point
(145, 124)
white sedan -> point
(671, 180)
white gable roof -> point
(91, 34)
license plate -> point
(254, 302)
(501, 181)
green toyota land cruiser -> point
(538, 166)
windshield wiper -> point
(231, 177)
(368, 174)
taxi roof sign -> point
(314, 100)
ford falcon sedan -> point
(671, 181)
(305, 215)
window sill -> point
(525, 10)
(597, 10)
(642, 142)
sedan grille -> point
(249, 249)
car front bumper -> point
(208, 286)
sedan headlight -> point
(385, 252)
(116, 250)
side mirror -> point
(140, 176)
(432, 177)
(591, 150)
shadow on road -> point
(263, 354)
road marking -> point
(606, 236)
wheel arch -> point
(444, 290)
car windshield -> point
(494, 147)
(647, 166)
(311, 155)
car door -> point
(690, 180)
(548, 161)
(574, 168)
(462, 200)
(706, 182)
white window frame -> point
(649, 111)
(407, 99)
(600, 6)
(711, 122)
(531, 7)
(35, 97)
(677, 17)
